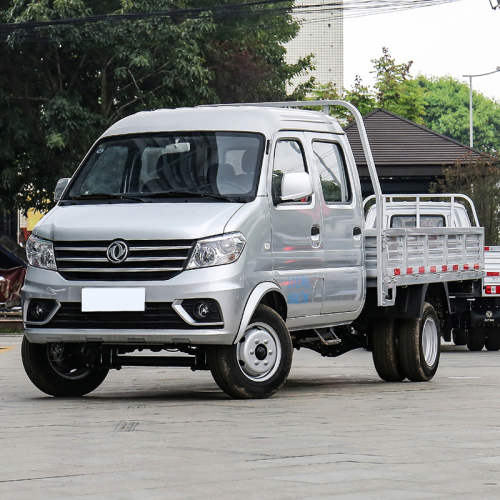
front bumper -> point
(225, 284)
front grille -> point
(147, 260)
(157, 316)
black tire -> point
(460, 337)
(477, 338)
(66, 378)
(385, 351)
(492, 342)
(418, 345)
(236, 377)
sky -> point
(456, 39)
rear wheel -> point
(477, 338)
(492, 342)
(418, 345)
(61, 369)
(460, 337)
(385, 351)
(259, 364)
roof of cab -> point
(266, 120)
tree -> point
(395, 90)
(480, 180)
(59, 94)
(447, 112)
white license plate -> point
(113, 299)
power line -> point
(34, 30)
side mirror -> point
(60, 187)
(295, 185)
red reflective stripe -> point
(433, 269)
(466, 267)
(486, 249)
(476, 266)
(492, 274)
(409, 270)
(444, 268)
(421, 269)
(397, 272)
(455, 267)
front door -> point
(297, 242)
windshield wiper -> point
(189, 193)
(103, 196)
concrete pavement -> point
(336, 431)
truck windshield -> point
(220, 165)
(411, 221)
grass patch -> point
(11, 330)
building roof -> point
(396, 141)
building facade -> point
(321, 34)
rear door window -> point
(332, 172)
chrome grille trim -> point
(160, 260)
(129, 259)
(120, 270)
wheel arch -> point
(269, 294)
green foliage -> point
(395, 90)
(59, 95)
(447, 112)
(480, 180)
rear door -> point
(296, 239)
(342, 220)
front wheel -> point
(418, 345)
(259, 364)
(61, 369)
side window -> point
(288, 157)
(332, 172)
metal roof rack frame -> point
(383, 295)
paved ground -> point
(334, 432)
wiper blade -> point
(103, 196)
(189, 193)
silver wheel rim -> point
(259, 352)
(430, 341)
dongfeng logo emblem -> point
(117, 252)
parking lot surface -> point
(335, 431)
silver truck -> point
(474, 304)
(231, 235)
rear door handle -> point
(315, 238)
(356, 231)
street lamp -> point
(470, 101)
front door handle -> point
(356, 231)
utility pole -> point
(471, 121)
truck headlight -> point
(40, 253)
(217, 251)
